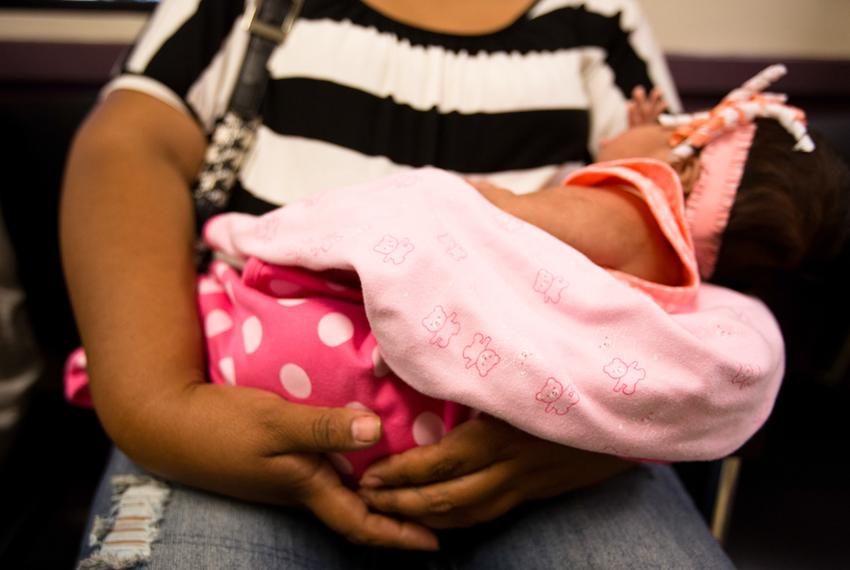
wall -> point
(762, 28)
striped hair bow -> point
(740, 107)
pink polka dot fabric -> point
(76, 379)
(305, 337)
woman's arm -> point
(126, 236)
(127, 233)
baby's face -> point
(645, 141)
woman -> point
(360, 89)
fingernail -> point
(429, 542)
(371, 481)
(366, 429)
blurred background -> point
(792, 496)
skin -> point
(127, 231)
(614, 228)
(456, 484)
(643, 109)
(650, 140)
(644, 141)
(126, 227)
(469, 17)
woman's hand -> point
(479, 471)
(254, 445)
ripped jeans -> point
(640, 519)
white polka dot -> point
(282, 288)
(335, 286)
(335, 329)
(358, 406)
(252, 334)
(220, 269)
(82, 360)
(428, 428)
(217, 322)
(208, 286)
(228, 370)
(379, 367)
(295, 381)
(291, 302)
(341, 464)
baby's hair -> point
(791, 214)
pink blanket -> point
(474, 306)
(419, 275)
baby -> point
(760, 196)
(314, 297)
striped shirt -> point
(355, 95)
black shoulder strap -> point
(269, 23)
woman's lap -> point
(642, 519)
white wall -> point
(72, 26)
(762, 28)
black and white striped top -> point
(355, 95)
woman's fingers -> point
(477, 514)
(474, 474)
(444, 498)
(468, 448)
(346, 513)
(312, 429)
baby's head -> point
(763, 198)
(791, 212)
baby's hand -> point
(644, 110)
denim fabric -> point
(641, 519)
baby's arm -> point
(612, 226)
